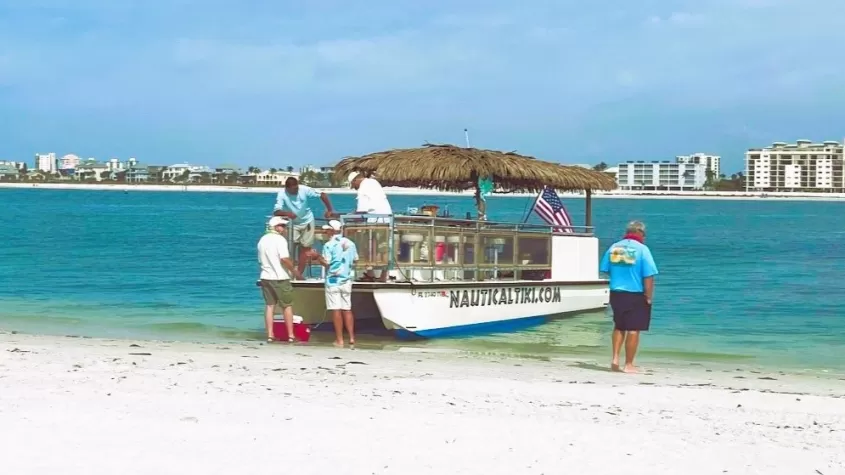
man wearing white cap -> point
(339, 255)
(371, 197)
(276, 271)
(371, 200)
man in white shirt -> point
(372, 200)
(371, 197)
(276, 271)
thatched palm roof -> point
(448, 167)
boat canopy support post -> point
(588, 210)
(480, 205)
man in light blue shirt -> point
(632, 269)
(338, 257)
(292, 203)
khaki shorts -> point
(277, 292)
(303, 234)
(339, 297)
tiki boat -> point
(456, 277)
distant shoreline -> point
(396, 191)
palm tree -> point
(600, 167)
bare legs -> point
(304, 259)
(632, 341)
(617, 339)
(338, 327)
(269, 311)
(349, 321)
(288, 313)
(341, 318)
(268, 321)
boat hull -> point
(455, 309)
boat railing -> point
(430, 248)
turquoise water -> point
(746, 282)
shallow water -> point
(746, 282)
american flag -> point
(549, 207)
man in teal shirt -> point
(292, 203)
(338, 257)
(632, 269)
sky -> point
(275, 83)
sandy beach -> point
(84, 406)
(397, 191)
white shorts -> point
(339, 297)
(303, 234)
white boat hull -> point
(448, 309)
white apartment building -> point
(711, 162)
(661, 176)
(183, 170)
(803, 165)
(46, 162)
(69, 162)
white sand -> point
(81, 406)
(396, 191)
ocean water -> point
(742, 282)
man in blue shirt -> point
(292, 203)
(632, 269)
(339, 255)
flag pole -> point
(533, 205)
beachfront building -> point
(9, 172)
(92, 170)
(313, 169)
(183, 172)
(14, 164)
(664, 175)
(46, 162)
(136, 172)
(801, 166)
(226, 175)
(115, 165)
(69, 162)
(711, 163)
(268, 177)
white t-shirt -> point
(272, 248)
(371, 198)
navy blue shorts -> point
(631, 312)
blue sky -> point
(271, 83)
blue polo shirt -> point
(628, 262)
(341, 253)
(297, 204)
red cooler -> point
(301, 331)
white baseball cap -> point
(277, 221)
(351, 177)
(333, 225)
